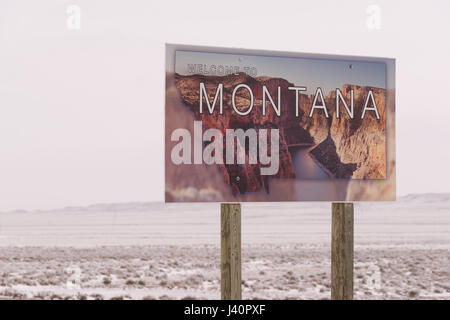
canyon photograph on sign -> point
(245, 125)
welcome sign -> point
(244, 125)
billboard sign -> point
(246, 125)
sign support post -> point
(230, 238)
(342, 251)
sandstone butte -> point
(346, 148)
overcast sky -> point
(82, 110)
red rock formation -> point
(356, 141)
(347, 148)
(242, 178)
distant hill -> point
(425, 197)
(413, 199)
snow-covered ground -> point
(153, 250)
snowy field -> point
(158, 251)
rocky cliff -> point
(242, 178)
(346, 148)
(361, 143)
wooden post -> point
(231, 251)
(342, 251)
